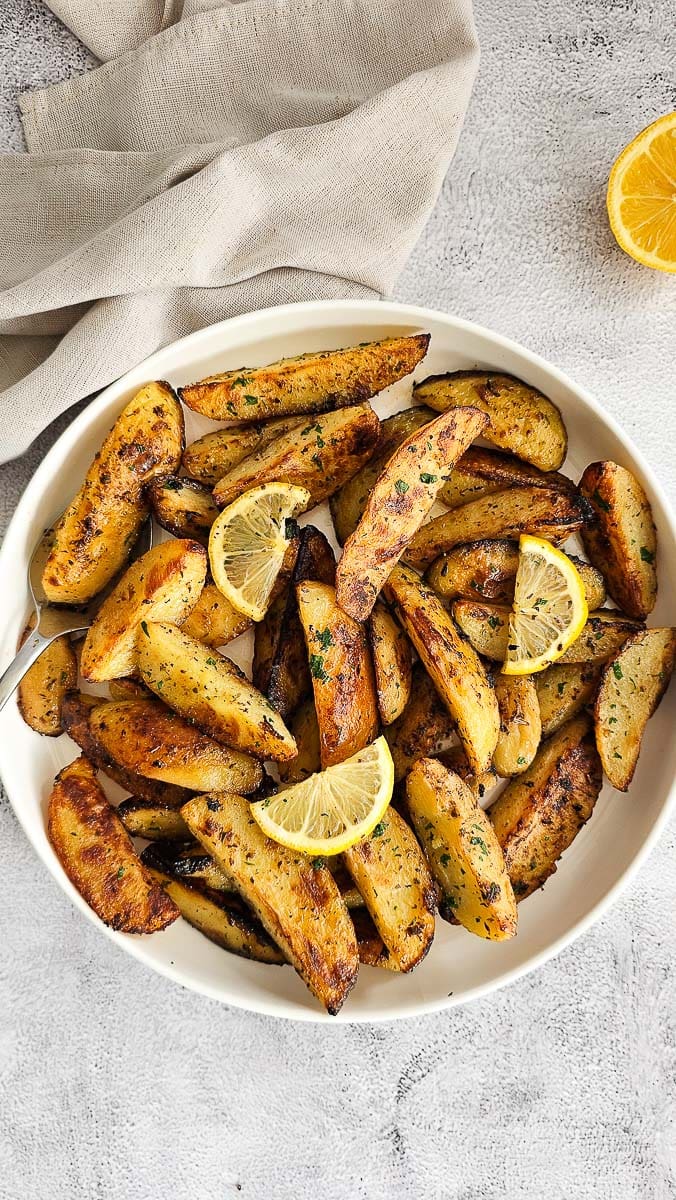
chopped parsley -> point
(251, 399)
(317, 668)
(211, 662)
(493, 621)
(444, 859)
(647, 555)
(425, 477)
(120, 872)
(378, 830)
(401, 486)
(318, 862)
(617, 671)
(324, 637)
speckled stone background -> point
(117, 1084)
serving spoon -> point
(55, 620)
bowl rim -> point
(416, 314)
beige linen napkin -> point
(225, 158)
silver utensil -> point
(55, 620)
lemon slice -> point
(330, 811)
(549, 607)
(248, 541)
(642, 196)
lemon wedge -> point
(641, 196)
(330, 811)
(549, 609)
(248, 541)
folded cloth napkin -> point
(226, 157)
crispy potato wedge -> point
(372, 949)
(544, 512)
(486, 570)
(98, 857)
(391, 874)
(481, 471)
(213, 621)
(97, 532)
(129, 689)
(163, 584)
(310, 383)
(539, 814)
(631, 688)
(622, 541)
(423, 727)
(522, 420)
(299, 905)
(146, 737)
(184, 507)
(594, 583)
(212, 693)
(520, 724)
(454, 667)
(463, 852)
(391, 654)
(42, 689)
(455, 760)
(305, 729)
(146, 819)
(400, 500)
(486, 628)
(189, 863)
(349, 502)
(212, 456)
(319, 456)
(563, 690)
(342, 673)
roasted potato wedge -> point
(128, 689)
(211, 692)
(213, 620)
(342, 673)
(146, 737)
(455, 760)
(349, 502)
(319, 456)
(631, 687)
(463, 852)
(97, 532)
(391, 654)
(563, 690)
(622, 541)
(43, 687)
(423, 727)
(146, 819)
(522, 420)
(305, 729)
(486, 570)
(520, 724)
(454, 667)
(184, 507)
(486, 628)
(212, 456)
(98, 857)
(544, 512)
(372, 950)
(400, 500)
(481, 471)
(298, 904)
(310, 383)
(539, 814)
(189, 863)
(391, 874)
(163, 584)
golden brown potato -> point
(98, 857)
(183, 507)
(594, 583)
(319, 456)
(463, 852)
(400, 500)
(539, 814)
(43, 687)
(486, 627)
(213, 620)
(305, 730)
(522, 420)
(212, 456)
(391, 654)
(297, 902)
(146, 737)
(211, 692)
(423, 727)
(455, 760)
(97, 532)
(520, 724)
(372, 950)
(631, 687)
(128, 689)
(390, 871)
(622, 541)
(310, 383)
(455, 669)
(342, 673)
(481, 471)
(189, 863)
(349, 502)
(146, 819)
(544, 512)
(486, 570)
(163, 584)
(563, 690)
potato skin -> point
(183, 507)
(622, 541)
(310, 383)
(391, 655)
(455, 760)
(632, 686)
(305, 729)
(486, 628)
(213, 621)
(563, 690)
(145, 819)
(481, 471)
(400, 500)
(43, 687)
(423, 728)
(520, 724)
(522, 420)
(98, 857)
(212, 456)
(97, 532)
(486, 570)
(164, 583)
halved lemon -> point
(642, 196)
(330, 811)
(549, 609)
(248, 541)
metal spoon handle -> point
(31, 649)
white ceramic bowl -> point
(607, 852)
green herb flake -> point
(401, 486)
(324, 637)
(211, 662)
(494, 622)
(378, 830)
(561, 687)
(120, 872)
(617, 671)
(647, 555)
(144, 627)
(317, 668)
(425, 477)
(444, 859)
(251, 399)
(318, 862)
